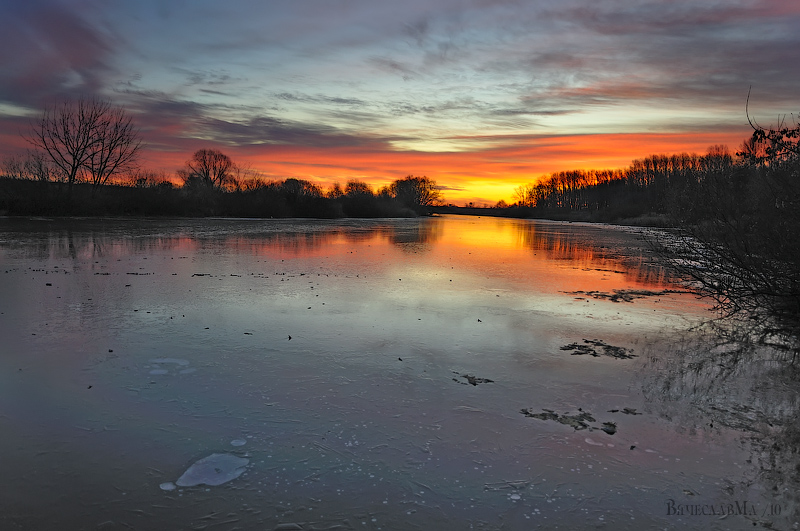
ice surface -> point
(348, 408)
(215, 469)
(176, 361)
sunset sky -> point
(481, 95)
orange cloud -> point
(483, 175)
(480, 175)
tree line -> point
(652, 187)
(83, 161)
(736, 219)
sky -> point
(482, 96)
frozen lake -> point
(387, 374)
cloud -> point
(49, 50)
(270, 130)
(394, 88)
(392, 66)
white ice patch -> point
(173, 364)
(591, 441)
(168, 486)
(215, 469)
(238, 442)
(176, 361)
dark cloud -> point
(392, 66)
(319, 98)
(687, 53)
(48, 50)
(329, 75)
(450, 188)
(269, 130)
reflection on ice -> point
(337, 377)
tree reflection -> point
(89, 239)
(717, 377)
(621, 251)
(416, 237)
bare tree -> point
(89, 135)
(14, 167)
(34, 166)
(210, 167)
(116, 146)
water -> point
(371, 373)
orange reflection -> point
(572, 256)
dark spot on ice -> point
(472, 380)
(597, 348)
(623, 295)
(577, 422)
(609, 427)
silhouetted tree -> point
(743, 248)
(86, 136)
(356, 188)
(35, 165)
(116, 147)
(416, 192)
(209, 167)
(335, 192)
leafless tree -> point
(116, 146)
(35, 165)
(86, 136)
(209, 167)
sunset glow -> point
(479, 96)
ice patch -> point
(215, 469)
(168, 486)
(238, 442)
(173, 364)
(593, 442)
(176, 361)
